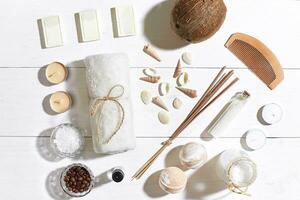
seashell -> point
(146, 97)
(164, 117)
(150, 72)
(159, 102)
(177, 103)
(178, 69)
(183, 79)
(148, 49)
(163, 88)
(152, 79)
(187, 58)
(189, 92)
(192, 155)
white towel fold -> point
(103, 72)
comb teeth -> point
(257, 57)
(255, 61)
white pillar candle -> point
(60, 102)
(271, 113)
(255, 139)
(56, 72)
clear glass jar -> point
(63, 183)
(236, 169)
(55, 147)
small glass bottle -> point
(227, 114)
(116, 174)
(236, 169)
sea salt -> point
(68, 139)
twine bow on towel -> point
(97, 107)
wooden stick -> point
(204, 102)
(209, 88)
(216, 97)
(205, 93)
(209, 95)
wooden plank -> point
(22, 95)
(24, 168)
(20, 43)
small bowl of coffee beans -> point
(77, 180)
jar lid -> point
(271, 113)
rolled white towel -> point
(112, 127)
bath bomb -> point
(172, 180)
(192, 155)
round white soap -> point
(271, 113)
(255, 139)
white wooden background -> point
(28, 170)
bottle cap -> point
(118, 175)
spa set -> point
(111, 103)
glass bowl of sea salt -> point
(67, 141)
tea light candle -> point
(56, 72)
(60, 102)
(271, 113)
(255, 139)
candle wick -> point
(56, 102)
(51, 74)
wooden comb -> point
(257, 57)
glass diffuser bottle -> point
(227, 114)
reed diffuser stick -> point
(209, 96)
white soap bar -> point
(87, 26)
(271, 113)
(123, 21)
(51, 32)
(255, 139)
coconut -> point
(197, 20)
